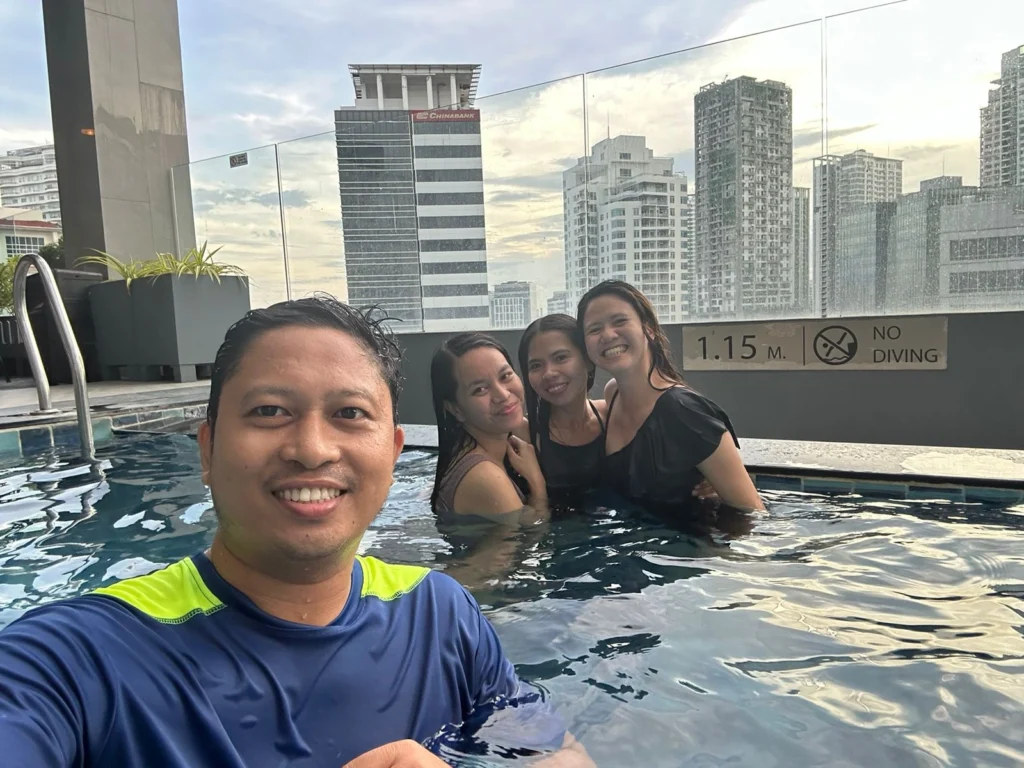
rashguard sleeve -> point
(509, 711)
(41, 717)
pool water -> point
(840, 631)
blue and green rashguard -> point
(177, 668)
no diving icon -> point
(835, 345)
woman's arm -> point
(725, 471)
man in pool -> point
(278, 645)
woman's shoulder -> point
(682, 410)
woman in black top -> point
(566, 427)
(662, 436)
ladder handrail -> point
(67, 337)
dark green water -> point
(839, 632)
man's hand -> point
(572, 755)
(398, 754)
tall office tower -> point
(802, 248)
(28, 179)
(744, 199)
(1002, 125)
(514, 304)
(626, 213)
(841, 183)
(412, 195)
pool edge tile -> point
(10, 443)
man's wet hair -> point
(367, 326)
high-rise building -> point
(412, 197)
(744, 199)
(842, 182)
(28, 179)
(626, 217)
(514, 304)
(801, 249)
(1002, 125)
(861, 261)
(560, 303)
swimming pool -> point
(841, 631)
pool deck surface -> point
(18, 403)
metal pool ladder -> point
(67, 337)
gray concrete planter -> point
(167, 322)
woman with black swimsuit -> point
(566, 426)
(662, 437)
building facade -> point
(561, 303)
(1002, 125)
(981, 251)
(514, 304)
(862, 259)
(627, 217)
(744, 264)
(841, 183)
(802, 249)
(24, 232)
(28, 180)
(411, 181)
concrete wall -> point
(977, 402)
(115, 69)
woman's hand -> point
(706, 491)
(523, 458)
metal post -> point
(67, 337)
(284, 236)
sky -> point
(902, 79)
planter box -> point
(176, 322)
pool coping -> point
(775, 465)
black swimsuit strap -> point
(597, 413)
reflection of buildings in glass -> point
(560, 303)
(744, 196)
(842, 182)
(981, 251)
(861, 259)
(514, 304)
(627, 217)
(801, 248)
(411, 179)
(1002, 125)
(28, 180)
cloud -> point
(811, 136)
(205, 200)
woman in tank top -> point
(661, 436)
(483, 468)
(566, 426)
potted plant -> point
(166, 313)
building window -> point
(19, 246)
(625, 156)
(625, 173)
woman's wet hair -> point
(367, 326)
(453, 441)
(661, 349)
(538, 410)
